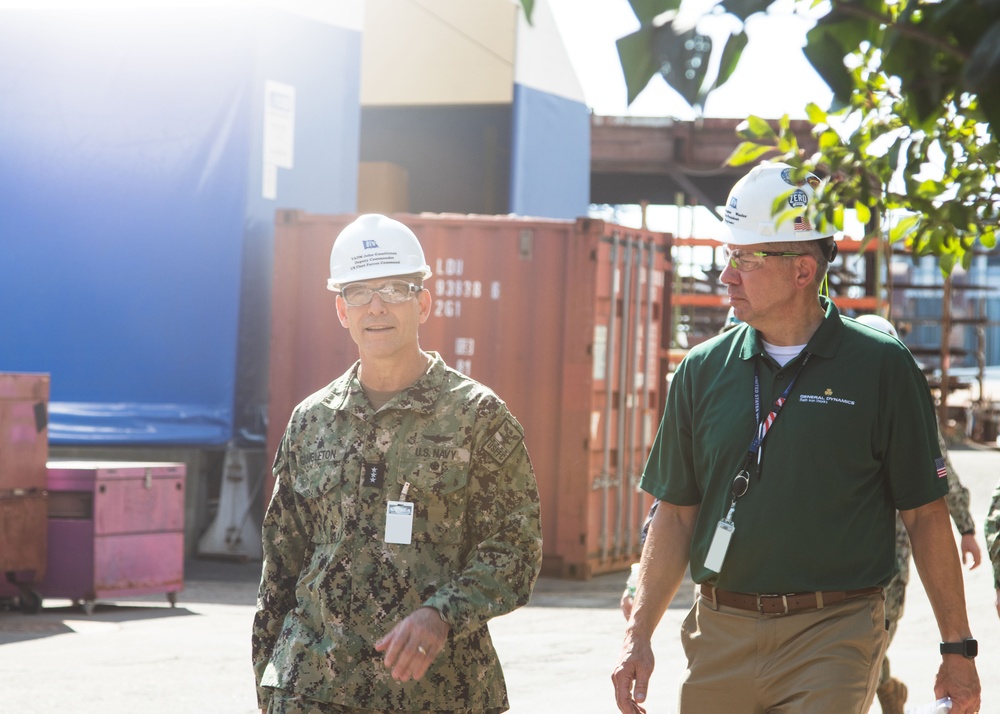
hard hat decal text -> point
(369, 244)
(383, 258)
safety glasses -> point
(391, 291)
(746, 261)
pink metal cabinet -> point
(115, 529)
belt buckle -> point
(760, 603)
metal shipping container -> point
(24, 447)
(565, 320)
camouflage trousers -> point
(284, 702)
(895, 592)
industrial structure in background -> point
(173, 178)
(950, 324)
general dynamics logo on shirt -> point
(825, 398)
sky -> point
(773, 78)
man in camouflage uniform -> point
(405, 514)
(892, 692)
(992, 532)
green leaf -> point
(982, 71)
(828, 140)
(946, 262)
(731, 53)
(967, 259)
(636, 56)
(745, 8)
(815, 114)
(988, 238)
(903, 227)
(682, 59)
(755, 128)
(647, 10)
(863, 213)
(832, 39)
(747, 152)
(529, 7)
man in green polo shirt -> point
(786, 447)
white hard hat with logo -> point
(750, 215)
(375, 246)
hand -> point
(970, 551)
(626, 604)
(412, 644)
(957, 678)
(998, 602)
(634, 666)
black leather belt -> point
(782, 604)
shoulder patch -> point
(504, 440)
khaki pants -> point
(742, 662)
(284, 702)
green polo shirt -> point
(855, 440)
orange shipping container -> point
(564, 320)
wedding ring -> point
(421, 650)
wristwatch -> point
(968, 648)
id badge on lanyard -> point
(725, 529)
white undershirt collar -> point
(783, 354)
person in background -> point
(992, 532)
(891, 691)
(786, 447)
(405, 514)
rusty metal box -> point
(565, 320)
(23, 450)
(115, 529)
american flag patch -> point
(942, 470)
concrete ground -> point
(558, 652)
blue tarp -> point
(131, 218)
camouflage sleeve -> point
(957, 497)
(505, 538)
(284, 540)
(992, 532)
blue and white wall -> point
(481, 110)
(550, 157)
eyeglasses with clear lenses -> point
(748, 260)
(391, 291)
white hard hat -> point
(375, 246)
(750, 216)
(878, 323)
